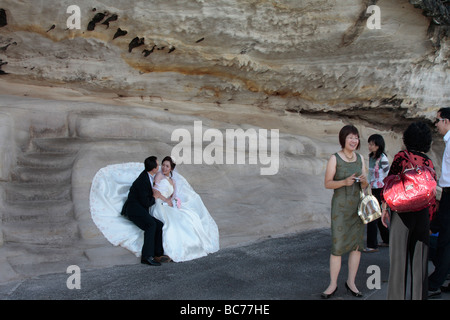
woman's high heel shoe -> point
(355, 294)
(328, 295)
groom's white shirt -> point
(151, 179)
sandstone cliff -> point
(75, 98)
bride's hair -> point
(172, 164)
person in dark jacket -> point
(409, 233)
(136, 208)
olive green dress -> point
(347, 228)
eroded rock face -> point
(287, 55)
(116, 88)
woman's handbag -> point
(412, 190)
(369, 207)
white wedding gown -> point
(188, 233)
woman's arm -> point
(158, 177)
(383, 167)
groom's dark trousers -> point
(136, 208)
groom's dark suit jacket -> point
(140, 197)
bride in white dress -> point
(189, 231)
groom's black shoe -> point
(150, 261)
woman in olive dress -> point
(346, 175)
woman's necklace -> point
(348, 158)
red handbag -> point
(412, 190)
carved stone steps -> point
(43, 233)
(39, 212)
(46, 160)
(63, 146)
(44, 175)
(18, 192)
(38, 206)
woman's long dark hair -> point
(378, 141)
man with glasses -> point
(441, 221)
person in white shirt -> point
(441, 221)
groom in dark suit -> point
(136, 208)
